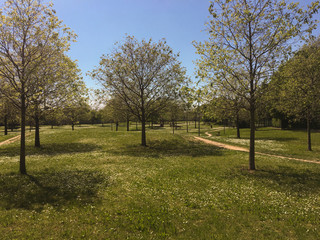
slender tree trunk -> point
(128, 124)
(12, 126)
(252, 137)
(309, 134)
(238, 126)
(51, 126)
(199, 126)
(195, 123)
(143, 128)
(117, 126)
(72, 125)
(37, 132)
(172, 126)
(6, 124)
(23, 169)
(187, 123)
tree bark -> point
(128, 124)
(172, 126)
(143, 128)
(72, 125)
(117, 126)
(199, 127)
(238, 126)
(23, 169)
(309, 134)
(187, 123)
(37, 132)
(252, 137)
(6, 124)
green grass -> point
(10, 134)
(92, 183)
(292, 143)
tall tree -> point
(296, 86)
(143, 74)
(30, 34)
(57, 82)
(247, 39)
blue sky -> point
(101, 23)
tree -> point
(296, 86)
(30, 34)
(247, 40)
(57, 82)
(143, 74)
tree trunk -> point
(143, 129)
(6, 124)
(238, 126)
(37, 132)
(309, 134)
(199, 127)
(23, 169)
(172, 126)
(117, 126)
(72, 125)
(195, 123)
(252, 137)
(128, 124)
(187, 123)
(51, 126)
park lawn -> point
(10, 134)
(291, 143)
(92, 183)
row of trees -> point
(242, 60)
(247, 42)
(36, 75)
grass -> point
(291, 143)
(92, 183)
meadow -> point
(94, 183)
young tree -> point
(296, 86)
(30, 33)
(57, 81)
(247, 39)
(143, 74)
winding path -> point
(10, 140)
(235, 148)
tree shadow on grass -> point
(49, 149)
(169, 147)
(284, 178)
(55, 188)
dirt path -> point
(13, 139)
(235, 148)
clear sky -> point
(101, 23)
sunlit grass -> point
(92, 183)
(291, 143)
